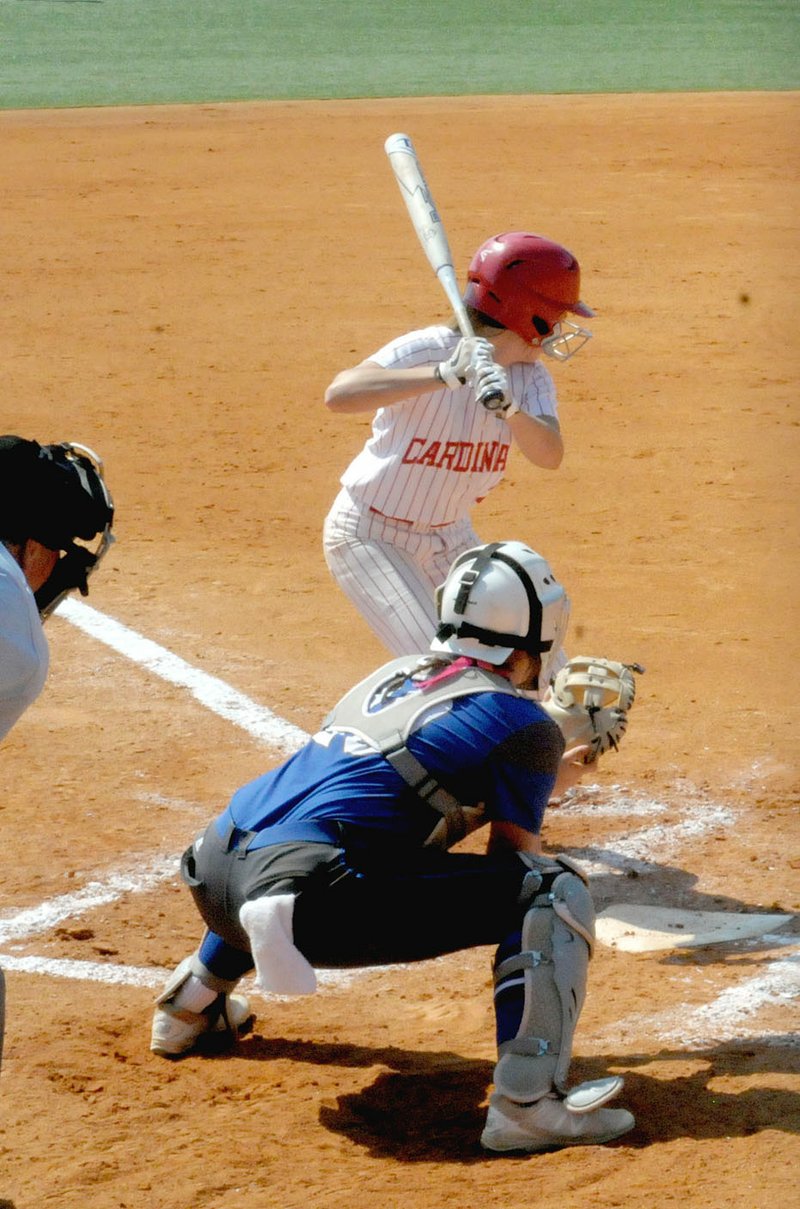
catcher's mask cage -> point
(88, 513)
(56, 495)
(500, 598)
(528, 284)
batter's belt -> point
(400, 520)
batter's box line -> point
(33, 921)
(154, 977)
(722, 1018)
(214, 694)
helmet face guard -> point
(566, 339)
(528, 284)
(500, 598)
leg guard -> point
(183, 972)
(183, 1018)
(540, 981)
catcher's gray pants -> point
(361, 903)
(355, 906)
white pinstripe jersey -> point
(432, 457)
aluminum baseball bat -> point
(430, 231)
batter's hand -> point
(455, 371)
(490, 383)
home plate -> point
(643, 929)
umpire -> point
(50, 495)
(340, 857)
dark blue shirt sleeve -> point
(522, 773)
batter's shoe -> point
(548, 1125)
(176, 1032)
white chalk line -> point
(724, 1017)
(32, 921)
(262, 724)
(87, 971)
(76, 970)
(636, 851)
(258, 721)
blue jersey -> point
(491, 748)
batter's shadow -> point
(431, 1106)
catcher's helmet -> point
(500, 598)
(55, 494)
(527, 283)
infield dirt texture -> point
(179, 284)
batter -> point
(404, 510)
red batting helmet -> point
(525, 283)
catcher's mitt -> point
(589, 700)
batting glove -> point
(491, 387)
(454, 372)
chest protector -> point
(375, 712)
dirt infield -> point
(178, 287)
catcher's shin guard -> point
(540, 982)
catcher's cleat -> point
(176, 1032)
(548, 1125)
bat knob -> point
(492, 399)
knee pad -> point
(540, 981)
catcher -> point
(341, 857)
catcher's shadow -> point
(655, 884)
(432, 1105)
(432, 1115)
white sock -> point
(194, 995)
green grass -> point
(56, 53)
